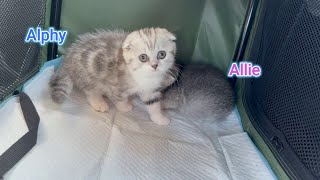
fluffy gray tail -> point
(201, 94)
(60, 87)
(199, 108)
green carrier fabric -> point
(207, 30)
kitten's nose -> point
(154, 66)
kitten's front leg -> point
(96, 100)
(153, 104)
(124, 105)
(122, 101)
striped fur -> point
(61, 87)
(152, 101)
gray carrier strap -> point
(16, 152)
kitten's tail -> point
(199, 106)
(60, 87)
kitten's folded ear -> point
(170, 35)
(126, 45)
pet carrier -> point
(273, 132)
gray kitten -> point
(117, 65)
(200, 92)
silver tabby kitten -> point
(201, 92)
(117, 65)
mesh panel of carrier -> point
(18, 60)
(287, 96)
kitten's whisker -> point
(175, 67)
(172, 74)
(175, 76)
(179, 72)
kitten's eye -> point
(161, 54)
(143, 58)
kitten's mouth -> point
(155, 70)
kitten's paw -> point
(99, 105)
(160, 120)
(124, 106)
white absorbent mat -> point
(74, 142)
(243, 159)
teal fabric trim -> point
(264, 160)
(238, 116)
(54, 62)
